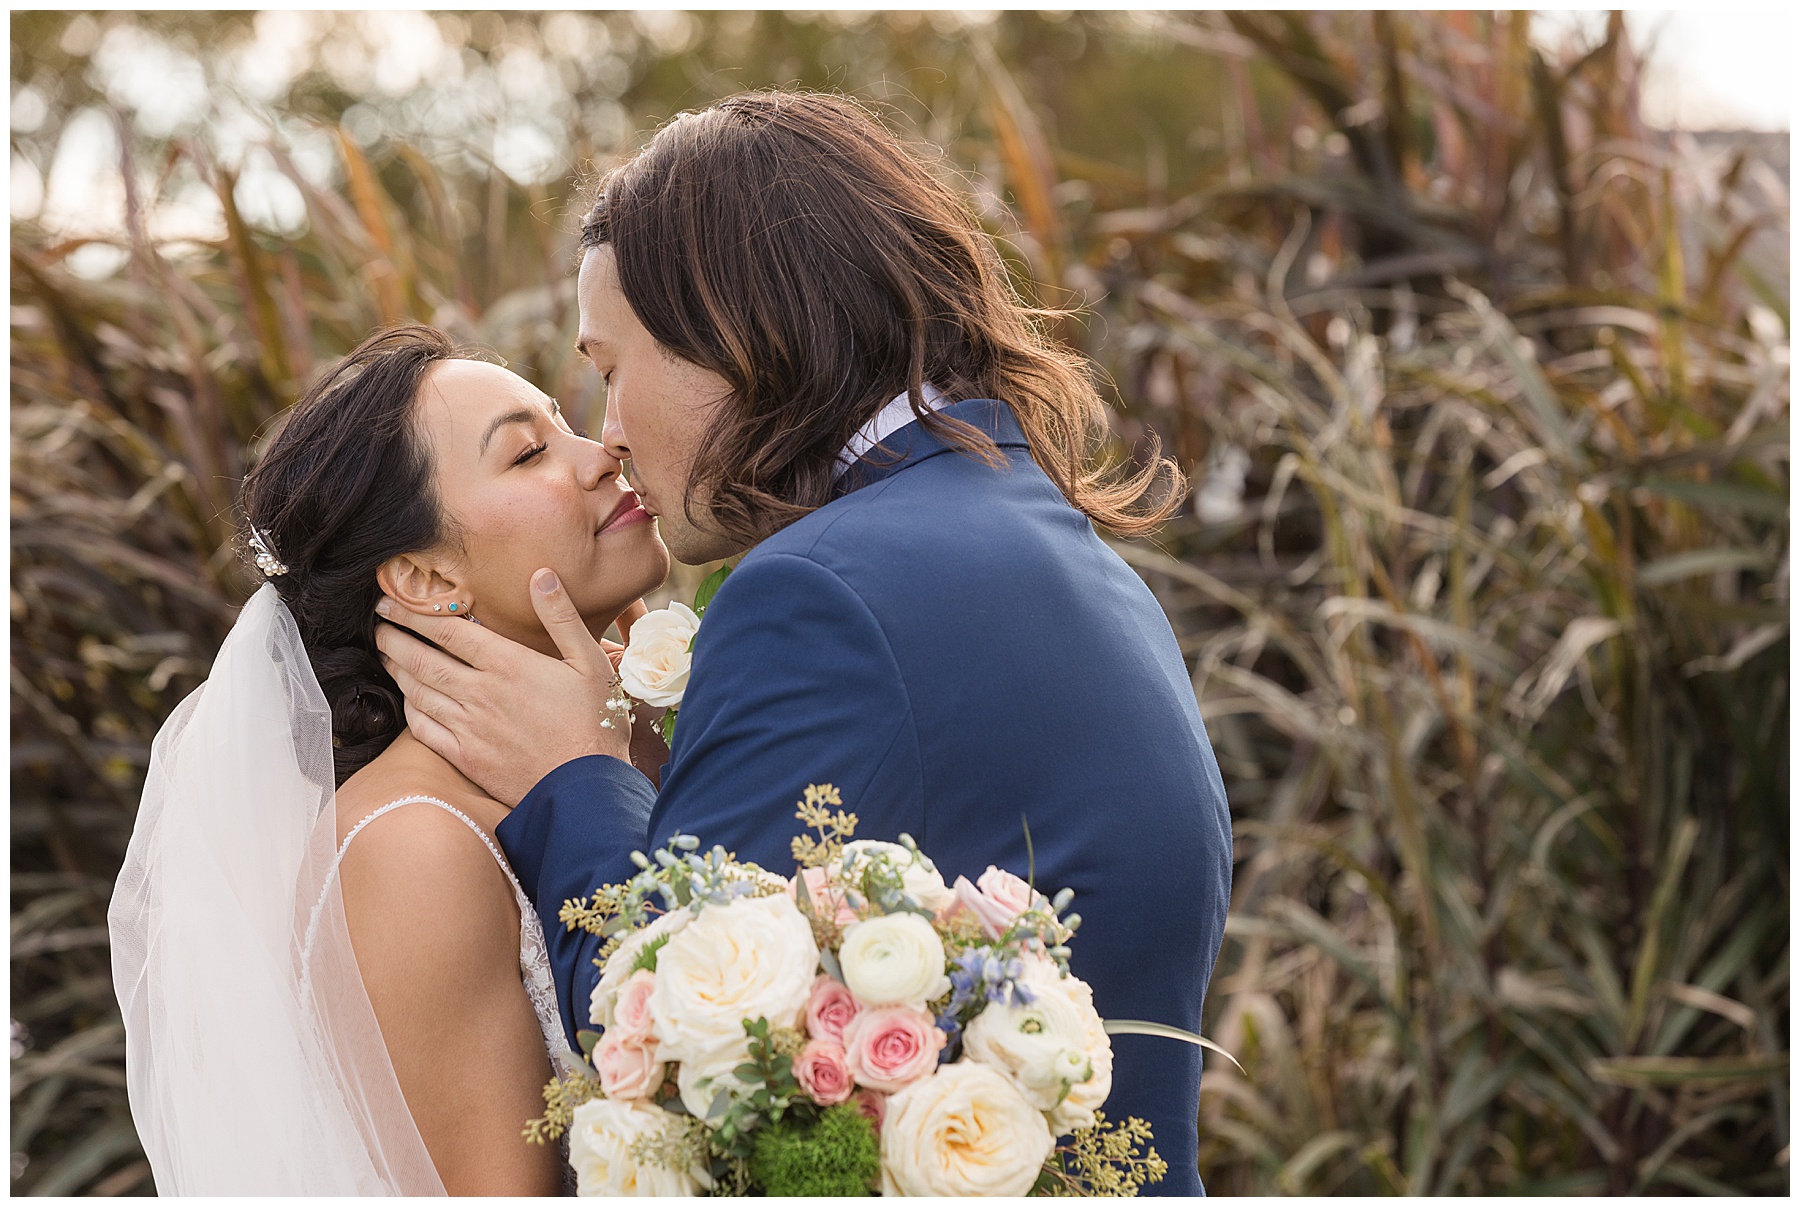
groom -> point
(814, 359)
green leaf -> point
(828, 960)
(666, 726)
(588, 1040)
(1728, 496)
(1134, 1026)
(1695, 562)
(646, 956)
(709, 587)
(1292, 1177)
(1687, 1070)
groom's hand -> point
(505, 715)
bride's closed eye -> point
(529, 453)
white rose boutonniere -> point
(660, 654)
(656, 663)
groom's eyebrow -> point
(519, 416)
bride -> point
(330, 979)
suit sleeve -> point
(793, 684)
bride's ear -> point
(417, 583)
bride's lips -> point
(628, 512)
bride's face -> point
(521, 491)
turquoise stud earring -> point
(453, 606)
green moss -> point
(837, 1154)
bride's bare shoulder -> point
(419, 847)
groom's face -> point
(658, 407)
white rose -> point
(657, 660)
(699, 1081)
(619, 965)
(965, 1130)
(893, 960)
(917, 875)
(754, 958)
(1045, 1048)
(600, 1141)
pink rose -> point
(827, 902)
(631, 1010)
(628, 1068)
(996, 900)
(872, 1105)
(830, 1009)
(822, 1072)
(891, 1047)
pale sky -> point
(1721, 67)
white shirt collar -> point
(890, 419)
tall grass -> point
(1493, 647)
(1484, 584)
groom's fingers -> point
(565, 625)
(422, 695)
(416, 665)
(435, 736)
(469, 642)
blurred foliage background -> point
(1483, 388)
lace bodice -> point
(534, 955)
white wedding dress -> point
(253, 1060)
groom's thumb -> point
(563, 622)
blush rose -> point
(830, 1009)
(822, 1072)
(891, 1047)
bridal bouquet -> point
(858, 1027)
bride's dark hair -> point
(346, 484)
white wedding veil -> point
(253, 1059)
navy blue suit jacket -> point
(954, 647)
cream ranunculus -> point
(754, 958)
(622, 963)
(600, 1142)
(893, 960)
(964, 1130)
(922, 881)
(1086, 1097)
(1041, 1047)
(656, 662)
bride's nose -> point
(594, 465)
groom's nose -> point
(612, 435)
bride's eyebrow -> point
(499, 421)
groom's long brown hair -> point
(789, 243)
